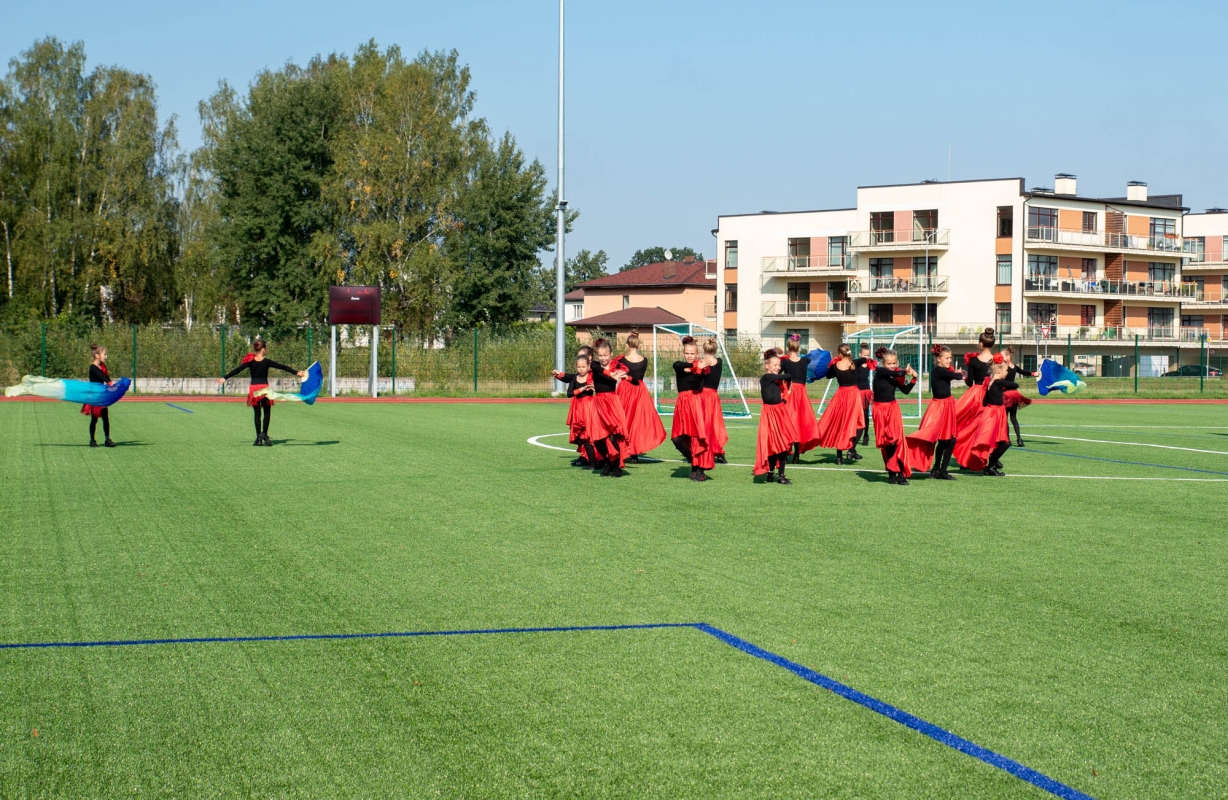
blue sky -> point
(680, 110)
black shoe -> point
(633, 460)
(770, 477)
(839, 460)
(700, 477)
(607, 468)
(853, 454)
(720, 459)
(783, 481)
(945, 476)
(900, 480)
(259, 441)
(1019, 443)
(108, 443)
(797, 458)
(865, 439)
(891, 478)
(998, 471)
(580, 462)
(93, 443)
(267, 441)
(600, 466)
(615, 472)
(989, 473)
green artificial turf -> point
(1077, 626)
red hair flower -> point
(248, 357)
(998, 359)
(871, 364)
(968, 358)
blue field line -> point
(181, 408)
(1014, 450)
(917, 724)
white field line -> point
(1128, 444)
(534, 440)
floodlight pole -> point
(560, 266)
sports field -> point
(1074, 624)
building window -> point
(923, 313)
(1223, 288)
(799, 253)
(801, 333)
(731, 337)
(1002, 317)
(837, 251)
(1043, 314)
(882, 227)
(575, 311)
(1224, 250)
(1192, 321)
(882, 313)
(731, 297)
(1006, 222)
(1004, 270)
(1196, 246)
(1158, 271)
(626, 301)
(924, 223)
(799, 297)
(919, 269)
(1042, 223)
(1089, 269)
(1163, 227)
(1087, 316)
(1042, 266)
(1089, 221)
(1160, 321)
(731, 254)
(882, 267)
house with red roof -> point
(667, 292)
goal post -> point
(908, 341)
(667, 348)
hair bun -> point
(795, 337)
(937, 349)
(880, 352)
(688, 340)
(769, 354)
(990, 331)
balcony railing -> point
(799, 309)
(907, 239)
(1054, 285)
(1029, 333)
(918, 284)
(1109, 241)
(792, 264)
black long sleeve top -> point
(603, 381)
(977, 372)
(796, 370)
(635, 370)
(888, 381)
(574, 385)
(940, 381)
(863, 372)
(1013, 372)
(259, 370)
(844, 377)
(769, 388)
(993, 395)
(99, 375)
(687, 381)
(713, 379)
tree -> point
(652, 255)
(584, 266)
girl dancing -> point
(689, 431)
(99, 374)
(969, 409)
(888, 422)
(842, 422)
(644, 429)
(610, 416)
(864, 368)
(777, 426)
(935, 439)
(711, 368)
(579, 387)
(795, 366)
(258, 365)
(992, 439)
(1014, 399)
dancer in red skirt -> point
(795, 366)
(99, 374)
(935, 439)
(992, 438)
(579, 387)
(777, 426)
(864, 370)
(582, 460)
(644, 429)
(968, 409)
(710, 400)
(842, 422)
(258, 365)
(689, 431)
(888, 422)
(1014, 399)
(610, 413)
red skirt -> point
(93, 412)
(889, 430)
(714, 420)
(644, 429)
(689, 421)
(842, 420)
(613, 422)
(989, 432)
(968, 412)
(937, 425)
(1013, 398)
(867, 398)
(803, 417)
(580, 418)
(252, 399)
(777, 434)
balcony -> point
(916, 286)
(896, 241)
(1198, 301)
(790, 266)
(1163, 291)
(802, 310)
(1200, 264)
(709, 310)
(1054, 335)
(1045, 238)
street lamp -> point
(560, 267)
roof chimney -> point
(1136, 191)
(1064, 183)
(688, 259)
(670, 270)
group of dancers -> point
(612, 418)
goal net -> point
(667, 348)
(908, 341)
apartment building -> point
(1040, 264)
(1205, 269)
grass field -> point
(1075, 625)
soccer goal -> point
(667, 348)
(908, 341)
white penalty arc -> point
(536, 442)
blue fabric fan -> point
(100, 395)
(307, 392)
(819, 361)
(1054, 376)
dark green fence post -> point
(134, 389)
(394, 360)
(1069, 359)
(1136, 366)
(44, 349)
(1202, 363)
(309, 362)
(223, 372)
(475, 360)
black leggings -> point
(1015, 422)
(106, 424)
(778, 461)
(995, 458)
(268, 412)
(942, 455)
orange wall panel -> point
(1068, 314)
(1136, 316)
(1002, 294)
(1003, 247)
(731, 276)
(1069, 267)
(818, 249)
(1070, 219)
(1138, 225)
(901, 313)
(901, 267)
(731, 320)
(1215, 249)
(1136, 271)
(687, 303)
